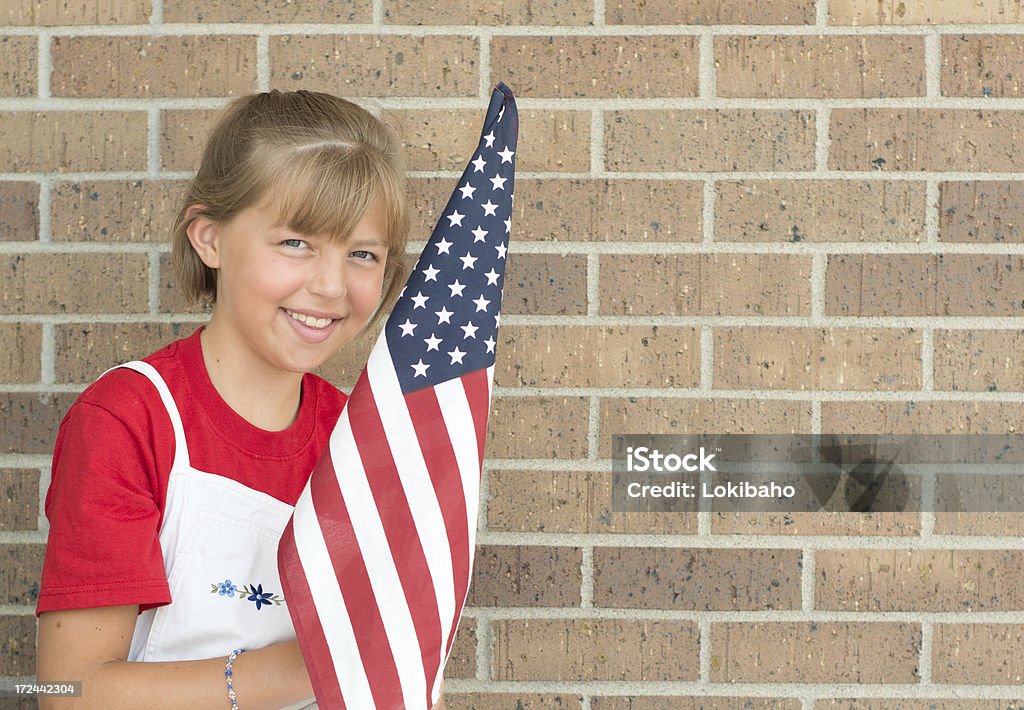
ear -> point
(203, 234)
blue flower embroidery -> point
(248, 592)
(226, 588)
(259, 596)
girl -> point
(174, 477)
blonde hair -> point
(319, 161)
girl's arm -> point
(91, 645)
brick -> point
(817, 523)
(819, 211)
(462, 661)
(924, 285)
(981, 211)
(979, 522)
(926, 139)
(981, 65)
(978, 360)
(85, 350)
(75, 283)
(21, 357)
(526, 576)
(503, 701)
(148, 67)
(99, 12)
(183, 134)
(594, 356)
(875, 359)
(922, 417)
(978, 654)
(832, 66)
(376, 65)
(18, 65)
(538, 427)
(19, 502)
(115, 211)
(624, 66)
(570, 502)
(693, 703)
(705, 284)
(278, 11)
(922, 12)
(697, 580)
(482, 12)
(18, 650)
(19, 204)
(710, 12)
(594, 649)
(29, 421)
(59, 141)
(171, 298)
(907, 704)
(919, 580)
(709, 140)
(550, 141)
(21, 565)
(545, 284)
(814, 652)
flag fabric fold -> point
(376, 561)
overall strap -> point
(180, 447)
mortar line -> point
(822, 140)
(821, 14)
(263, 62)
(807, 580)
(47, 355)
(45, 476)
(928, 359)
(708, 212)
(587, 578)
(154, 283)
(597, 142)
(484, 644)
(378, 14)
(707, 78)
(157, 16)
(707, 358)
(593, 428)
(925, 658)
(594, 285)
(44, 62)
(704, 646)
(932, 211)
(819, 268)
(933, 64)
(44, 211)
(153, 143)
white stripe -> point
(380, 565)
(451, 395)
(330, 606)
(416, 482)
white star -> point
(432, 342)
(467, 190)
(457, 356)
(444, 316)
(481, 303)
(498, 182)
(501, 250)
(490, 344)
(492, 277)
(478, 164)
(470, 330)
(420, 300)
(442, 246)
(467, 261)
(420, 368)
(489, 207)
(490, 138)
(407, 328)
(508, 225)
(506, 155)
(455, 219)
(479, 235)
(456, 288)
(431, 273)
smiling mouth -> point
(310, 321)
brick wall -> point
(732, 216)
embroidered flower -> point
(259, 596)
(226, 588)
(247, 592)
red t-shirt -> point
(113, 458)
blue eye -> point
(364, 255)
(294, 243)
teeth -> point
(309, 320)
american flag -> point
(376, 560)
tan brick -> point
(922, 12)
(257, 12)
(538, 427)
(919, 580)
(29, 421)
(482, 12)
(545, 284)
(981, 211)
(18, 649)
(705, 284)
(817, 523)
(20, 360)
(981, 65)
(591, 356)
(462, 661)
(819, 211)
(72, 140)
(709, 140)
(594, 649)
(503, 701)
(978, 654)
(817, 358)
(85, 350)
(97, 12)
(75, 283)
(550, 141)
(710, 12)
(979, 360)
(924, 285)
(623, 66)
(979, 523)
(183, 134)
(18, 65)
(922, 417)
(926, 139)
(377, 65)
(570, 502)
(115, 211)
(19, 502)
(171, 298)
(526, 575)
(692, 703)
(19, 204)
(146, 67)
(908, 704)
(832, 66)
(814, 652)
(699, 580)
(21, 565)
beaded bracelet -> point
(228, 674)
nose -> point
(328, 277)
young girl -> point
(174, 477)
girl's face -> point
(288, 300)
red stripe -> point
(308, 629)
(354, 583)
(479, 396)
